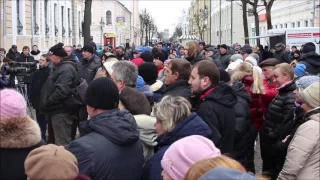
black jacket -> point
(179, 88)
(243, 122)
(215, 107)
(194, 60)
(111, 149)
(89, 68)
(13, 56)
(23, 58)
(278, 111)
(282, 56)
(216, 61)
(312, 62)
(224, 60)
(58, 86)
(38, 80)
(78, 53)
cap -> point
(246, 50)
(14, 47)
(279, 45)
(269, 62)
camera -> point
(22, 70)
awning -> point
(265, 36)
(188, 37)
(109, 35)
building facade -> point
(289, 14)
(111, 23)
(199, 19)
(43, 23)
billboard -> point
(120, 22)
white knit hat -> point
(311, 95)
(251, 60)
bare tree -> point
(177, 33)
(268, 5)
(141, 28)
(87, 22)
(255, 12)
(160, 35)
(145, 20)
(245, 20)
(198, 20)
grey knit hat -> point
(306, 81)
(234, 57)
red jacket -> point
(271, 92)
(255, 106)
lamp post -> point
(101, 28)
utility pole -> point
(231, 35)
(220, 23)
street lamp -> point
(101, 28)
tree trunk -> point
(87, 22)
(269, 23)
(146, 43)
(256, 22)
(245, 21)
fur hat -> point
(51, 162)
(58, 50)
(105, 89)
(12, 104)
(182, 154)
(311, 95)
(134, 101)
(88, 48)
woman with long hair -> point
(194, 53)
(102, 71)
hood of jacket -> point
(19, 133)
(312, 58)
(241, 91)
(35, 52)
(222, 94)
(119, 126)
(68, 60)
(192, 125)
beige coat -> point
(303, 157)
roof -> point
(188, 37)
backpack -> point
(76, 98)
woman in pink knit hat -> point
(19, 135)
(182, 154)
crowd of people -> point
(193, 112)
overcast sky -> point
(165, 12)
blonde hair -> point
(246, 69)
(285, 68)
(203, 166)
(193, 48)
(171, 110)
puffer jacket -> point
(58, 87)
(215, 106)
(111, 149)
(243, 123)
(179, 88)
(192, 125)
(282, 56)
(89, 67)
(312, 62)
(303, 158)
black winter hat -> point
(149, 72)
(58, 50)
(308, 47)
(224, 76)
(160, 56)
(102, 93)
(146, 56)
(88, 48)
(224, 46)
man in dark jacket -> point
(158, 48)
(25, 55)
(78, 52)
(214, 102)
(224, 57)
(310, 59)
(281, 54)
(89, 64)
(13, 53)
(38, 80)
(209, 52)
(112, 148)
(55, 92)
(177, 74)
(121, 54)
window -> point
(293, 25)
(35, 15)
(285, 25)
(19, 17)
(298, 24)
(306, 23)
(281, 26)
(276, 26)
(62, 21)
(109, 20)
(46, 19)
(69, 23)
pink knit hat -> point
(182, 154)
(12, 104)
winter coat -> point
(89, 67)
(58, 86)
(312, 62)
(270, 93)
(148, 134)
(282, 56)
(111, 149)
(215, 107)
(4, 81)
(179, 88)
(23, 58)
(38, 80)
(19, 136)
(13, 56)
(157, 88)
(192, 125)
(243, 123)
(302, 161)
(78, 53)
(216, 61)
(36, 55)
(197, 58)
(224, 60)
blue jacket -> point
(112, 149)
(192, 125)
